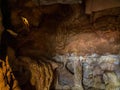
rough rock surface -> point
(69, 30)
(93, 72)
(7, 79)
(64, 34)
(38, 73)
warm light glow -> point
(25, 21)
(12, 32)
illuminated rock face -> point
(7, 79)
(92, 71)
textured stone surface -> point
(98, 71)
(63, 33)
(7, 79)
(34, 74)
(69, 30)
(93, 5)
(65, 78)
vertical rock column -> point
(78, 74)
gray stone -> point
(69, 67)
(97, 71)
(65, 78)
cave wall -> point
(62, 41)
(69, 30)
(93, 5)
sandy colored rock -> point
(39, 73)
(6, 77)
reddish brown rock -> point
(71, 31)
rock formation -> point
(59, 46)
(7, 79)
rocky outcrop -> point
(38, 74)
(91, 72)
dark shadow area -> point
(6, 23)
(8, 40)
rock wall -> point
(7, 79)
(81, 51)
(93, 5)
(68, 27)
(91, 72)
